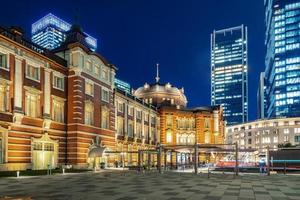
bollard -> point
(18, 174)
(63, 170)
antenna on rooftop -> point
(157, 73)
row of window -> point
(89, 90)
(266, 124)
(138, 113)
(131, 132)
(33, 73)
(89, 115)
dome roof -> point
(159, 94)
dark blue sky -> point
(136, 34)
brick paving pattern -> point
(169, 186)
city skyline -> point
(147, 46)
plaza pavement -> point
(132, 185)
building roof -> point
(161, 91)
(75, 36)
(16, 34)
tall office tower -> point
(229, 76)
(122, 85)
(50, 31)
(282, 58)
(261, 97)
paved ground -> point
(131, 186)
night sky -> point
(136, 34)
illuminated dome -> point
(159, 94)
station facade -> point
(61, 107)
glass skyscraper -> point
(261, 97)
(122, 85)
(282, 61)
(50, 31)
(229, 80)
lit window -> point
(207, 137)
(120, 125)
(130, 128)
(297, 130)
(130, 112)
(146, 117)
(169, 120)
(33, 72)
(153, 131)
(104, 117)
(58, 82)
(89, 88)
(120, 107)
(105, 95)
(139, 114)
(138, 130)
(32, 106)
(206, 123)
(3, 61)
(169, 136)
(286, 131)
(58, 111)
(89, 113)
(3, 98)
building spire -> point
(157, 73)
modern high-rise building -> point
(282, 60)
(122, 85)
(261, 97)
(229, 76)
(50, 31)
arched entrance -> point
(96, 155)
(44, 152)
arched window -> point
(89, 113)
